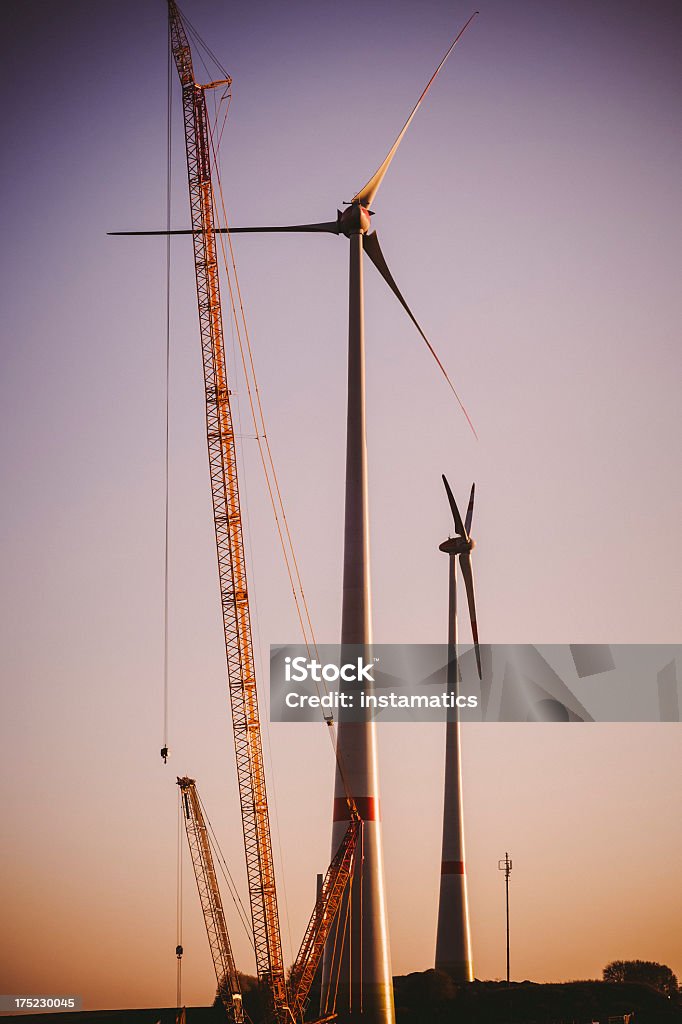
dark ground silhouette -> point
(430, 997)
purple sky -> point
(532, 219)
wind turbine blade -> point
(459, 526)
(366, 195)
(332, 227)
(467, 573)
(470, 510)
(373, 250)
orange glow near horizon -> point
(531, 220)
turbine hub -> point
(457, 545)
(354, 220)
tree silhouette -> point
(646, 972)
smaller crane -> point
(338, 876)
(211, 902)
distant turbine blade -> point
(467, 573)
(373, 250)
(332, 227)
(366, 195)
(470, 510)
(459, 526)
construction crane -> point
(227, 518)
(287, 1004)
(211, 902)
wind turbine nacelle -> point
(457, 545)
(354, 220)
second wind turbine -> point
(453, 938)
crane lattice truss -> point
(229, 538)
(237, 631)
(338, 876)
(211, 902)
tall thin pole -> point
(365, 989)
(506, 866)
(506, 885)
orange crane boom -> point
(241, 676)
(211, 902)
(339, 874)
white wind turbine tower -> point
(453, 939)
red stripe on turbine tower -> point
(453, 941)
(366, 806)
(452, 867)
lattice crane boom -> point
(211, 902)
(229, 537)
(237, 631)
(339, 874)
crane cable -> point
(227, 875)
(202, 44)
(342, 929)
(169, 139)
(240, 329)
(258, 418)
(267, 461)
(164, 750)
(335, 961)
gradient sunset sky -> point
(532, 220)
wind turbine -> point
(453, 938)
(461, 545)
(368, 988)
